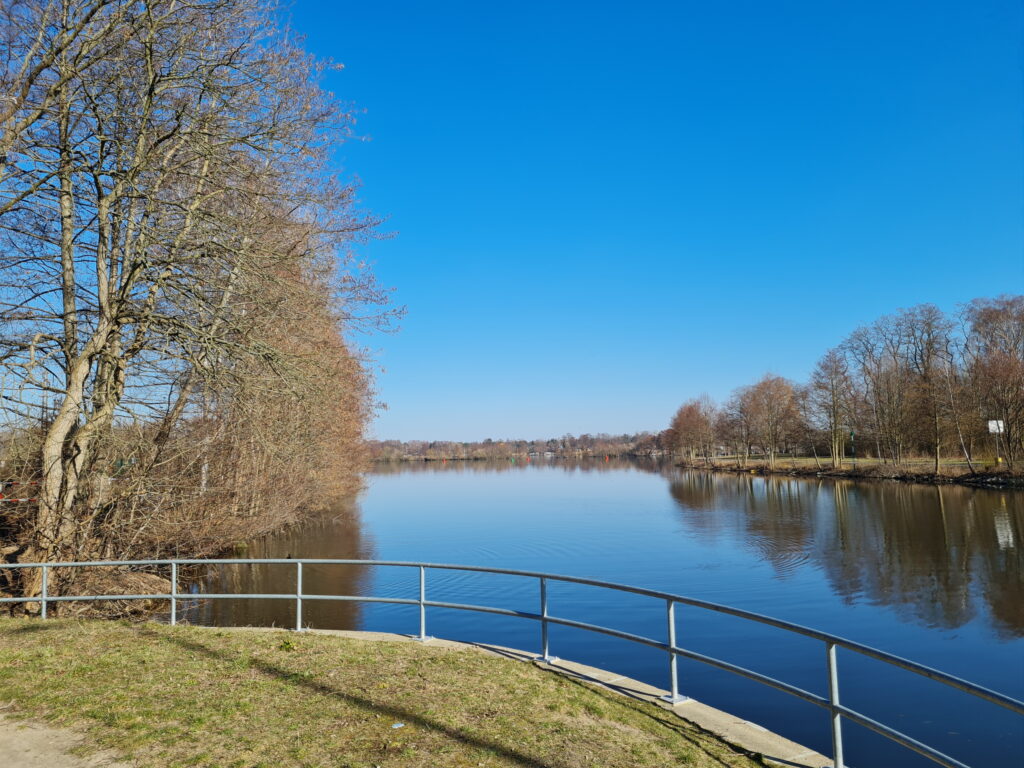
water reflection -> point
(930, 552)
(940, 556)
(337, 535)
(892, 565)
(491, 466)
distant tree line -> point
(917, 383)
(567, 446)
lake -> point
(931, 573)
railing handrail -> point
(832, 641)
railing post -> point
(423, 607)
(43, 595)
(545, 648)
(174, 593)
(298, 596)
(674, 697)
(833, 700)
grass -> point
(951, 467)
(188, 696)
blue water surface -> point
(934, 574)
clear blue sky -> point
(605, 208)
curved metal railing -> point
(831, 703)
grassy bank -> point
(177, 696)
(913, 471)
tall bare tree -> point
(165, 188)
(879, 356)
(829, 398)
(693, 428)
(995, 362)
(774, 414)
(928, 335)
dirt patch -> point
(26, 744)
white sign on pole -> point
(996, 427)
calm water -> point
(935, 574)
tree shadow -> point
(36, 625)
(396, 713)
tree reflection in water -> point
(334, 535)
(937, 555)
(930, 552)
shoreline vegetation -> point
(180, 287)
(866, 470)
(179, 283)
(914, 471)
(919, 396)
(919, 384)
(175, 696)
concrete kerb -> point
(739, 733)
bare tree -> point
(693, 428)
(165, 190)
(878, 354)
(829, 398)
(735, 424)
(774, 414)
(958, 396)
(928, 335)
(995, 363)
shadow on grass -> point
(35, 625)
(629, 698)
(365, 704)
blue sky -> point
(602, 209)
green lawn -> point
(185, 696)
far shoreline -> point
(993, 480)
(1004, 479)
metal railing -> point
(831, 703)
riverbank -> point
(806, 467)
(164, 696)
(916, 471)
